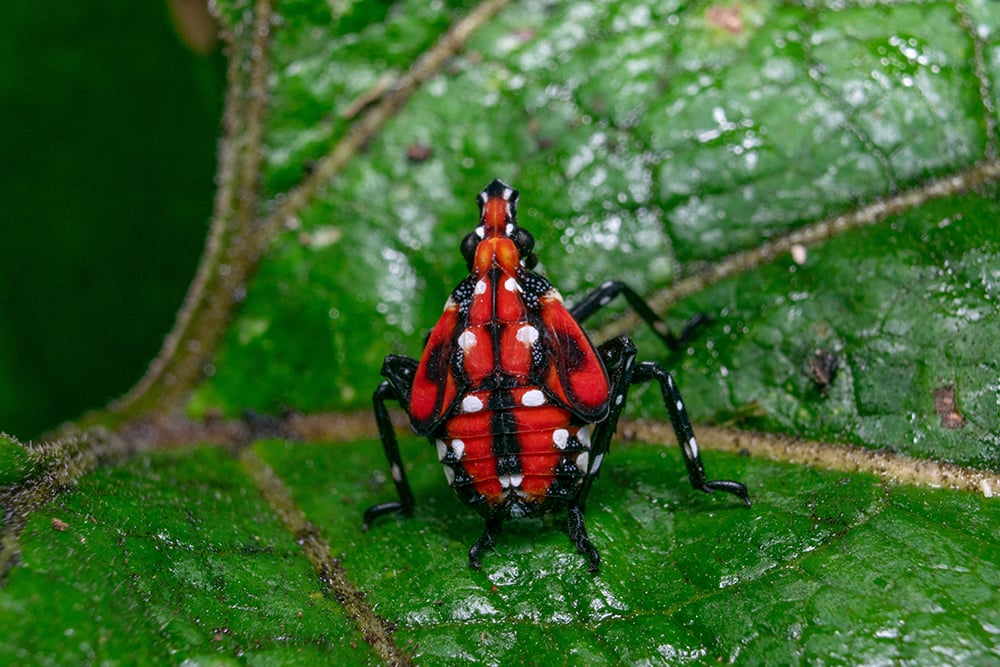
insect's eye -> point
(469, 244)
(524, 241)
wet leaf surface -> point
(650, 142)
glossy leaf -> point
(708, 152)
(820, 179)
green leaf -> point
(184, 556)
(820, 179)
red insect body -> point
(508, 379)
(518, 402)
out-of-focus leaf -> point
(107, 149)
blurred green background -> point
(107, 157)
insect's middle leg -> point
(385, 392)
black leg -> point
(618, 355)
(385, 392)
(603, 295)
(486, 541)
(646, 371)
(578, 536)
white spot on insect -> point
(450, 303)
(583, 435)
(442, 449)
(607, 283)
(692, 448)
(582, 460)
(533, 398)
(598, 460)
(560, 437)
(471, 404)
(509, 229)
(480, 287)
(507, 192)
(605, 300)
(480, 232)
(619, 398)
(397, 473)
(512, 285)
(458, 446)
(449, 475)
(527, 334)
(508, 481)
(680, 405)
(467, 341)
(553, 294)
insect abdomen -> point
(517, 454)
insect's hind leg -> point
(604, 294)
(646, 371)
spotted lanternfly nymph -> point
(517, 400)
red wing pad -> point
(575, 374)
(434, 386)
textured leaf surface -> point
(824, 564)
(170, 554)
(659, 143)
(719, 142)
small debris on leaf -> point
(418, 152)
(944, 405)
(799, 254)
(823, 368)
(59, 524)
(729, 19)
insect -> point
(519, 403)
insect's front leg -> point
(603, 295)
(617, 354)
(486, 541)
(399, 370)
(646, 371)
